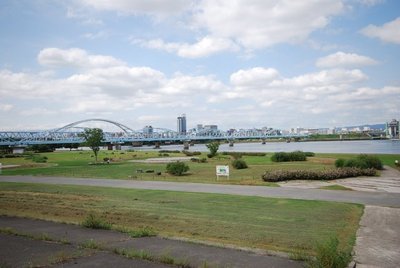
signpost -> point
(222, 171)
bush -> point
(328, 255)
(286, 157)
(310, 154)
(95, 222)
(244, 153)
(328, 174)
(239, 164)
(362, 161)
(39, 159)
(177, 168)
(169, 151)
(187, 153)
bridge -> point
(71, 134)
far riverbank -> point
(344, 146)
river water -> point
(364, 146)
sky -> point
(233, 63)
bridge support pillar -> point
(191, 143)
(109, 147)
(262, 141)
(118, 147)
(231, 142)
(185, 145)
(18, 150)
(157, 145)
(137, 144)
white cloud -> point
(75, 57)
(133, 92)
(259, 24)
(202, 48)
(388, 32)
(344, 60)
(257, 77)
(6, 107)
(370, 3)
(152, 7)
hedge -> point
(286, 157)
(363, 161)
(328, 174)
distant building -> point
(181, 124)
(199, 127)
(211, 127)
(393, 129)
(148, 130)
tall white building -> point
(181, 124)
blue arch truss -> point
(71, 134)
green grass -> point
(76, 164)
(265, 223)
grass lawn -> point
(76, 164)
(266, 223)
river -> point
(359, 146)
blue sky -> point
(237, 63)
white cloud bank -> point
(344, 60)
(388, 32)
(152, 7)
(260, 95)
(248, 25)
(204, 47)
(74, 57)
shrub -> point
(94, 222)
(203, 160)
(177, 168)
(339, 163)
(371, 161)
(310, 154)
(286, 157)
(239, 164)
(328, 255)
(363, 161)
(187, 153)
(149, 171)
(244, 153)
(39, 159)
(328, 174)
(169, 151)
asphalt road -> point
(382, 199)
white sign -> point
(222, 171)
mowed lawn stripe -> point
(265, 223)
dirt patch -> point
(163, 160)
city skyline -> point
(236, 64)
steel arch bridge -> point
(70, 134)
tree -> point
(213, 147)
(93, 138)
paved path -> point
(367, 198)
(19, 251)
(378, 238)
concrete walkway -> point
(378, 239)
(367, 198)
(67, 249)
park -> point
(292, 227)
